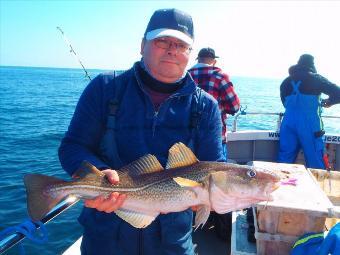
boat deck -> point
(207, 240)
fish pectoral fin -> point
(143, 165)
(88, 171)
(184, 182)
(202, 215)
(136, 219)
(180, 156)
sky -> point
(252, 38)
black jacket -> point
(311, 84)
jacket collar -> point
(188, 88)
(200, 65)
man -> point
(144, 110)
(211, 79)
(302, 125)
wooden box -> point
(296, 210)
(329, 181)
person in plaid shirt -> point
(214, 81)
(211, 79)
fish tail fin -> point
(39, 200)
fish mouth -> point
(276, 185)
(266, 194)
(267, 197)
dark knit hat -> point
(307, 60)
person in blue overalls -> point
(145, 110)
(302, 126)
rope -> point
(29, 229)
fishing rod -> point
(14, 238)
(73, 52)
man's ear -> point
(142, 47)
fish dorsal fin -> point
(88, 171)
(143, 165)
(180, 156)
(183, 182)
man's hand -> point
(112, 202)
(194, 208)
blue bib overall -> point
(301, 128)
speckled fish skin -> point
(161, 191)
(209, 185)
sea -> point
(36, 105)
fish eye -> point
(251, 173)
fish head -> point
(236, 187)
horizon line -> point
(103, 69)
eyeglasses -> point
(166, 44)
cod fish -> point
(152, 190)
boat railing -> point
(14, 238)
(243, 111)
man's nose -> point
(172, 48)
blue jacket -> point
(139, 131)
(311, 243)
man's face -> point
(165, 64)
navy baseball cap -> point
(207, 53)
(170, 22)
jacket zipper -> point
(140, 252)
(154, 123)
